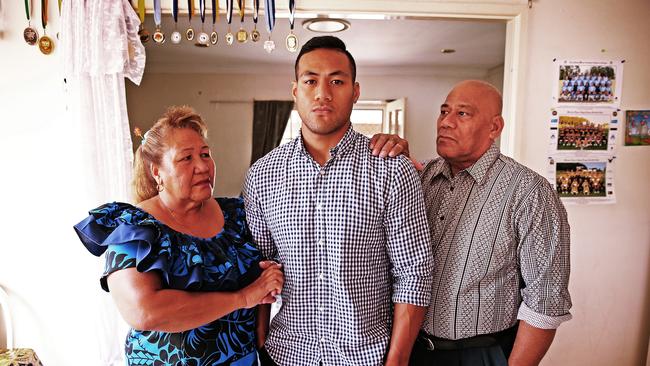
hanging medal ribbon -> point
(176, 35)
(158, 35)
(189, 33)
(269, 45)
(204, 39)
(45, 43)
(292, 40)
(142, 32)
(30, 34)
(242, 35)
(255, 34)
(57, 33)
(214, 37)
(229, 36)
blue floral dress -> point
(130, 237)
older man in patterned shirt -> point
(500, 239)
(349, 228)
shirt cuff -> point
(417, 298)
(541, 321)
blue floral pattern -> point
(131, 237)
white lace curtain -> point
(100, 48)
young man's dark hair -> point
(331, 43)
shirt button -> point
(321, 309)
(322, 339)
(320, 242)
(451, 188)
(322, 172)
(320, 276)
(318, 206)
(442, 218)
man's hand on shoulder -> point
(391, 145)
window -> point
(367, 118)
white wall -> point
(230, 119)
(610, 249)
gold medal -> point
(189, 33)
(255, 35)
(159, 36)
(176, 37)
(46, 45)
(242, 35)
(31, 35)
(292, 42)
(214, 36)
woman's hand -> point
(263, 290)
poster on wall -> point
(583, 181)
(588, 83)
(583, 132)
(637, 128)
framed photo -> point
(637, 128)
(583, 180)
(583, 132)
(588, 83)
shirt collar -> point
(478, 171)
(341, 147)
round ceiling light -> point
(326, 25)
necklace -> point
(176, 220)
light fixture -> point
(447, 50)
(326, 25)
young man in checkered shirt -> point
(349, 228)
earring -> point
(160, 187)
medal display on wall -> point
(269, 45)
(158, 35)
(175, 37)
(30, 34)
(255, 34)
(230, 38)
(45, 43)
(142, 32)
(214, 36)
(291, 40)
(242, 35)
(189, 33)
(203, 40)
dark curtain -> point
(269, 121)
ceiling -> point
(374, 43)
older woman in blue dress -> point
(180, 265)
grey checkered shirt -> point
(353, 238)
(500, 235)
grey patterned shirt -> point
(353, 238)
(500, 235)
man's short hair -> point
(330, 43)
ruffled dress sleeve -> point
(130, 237)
